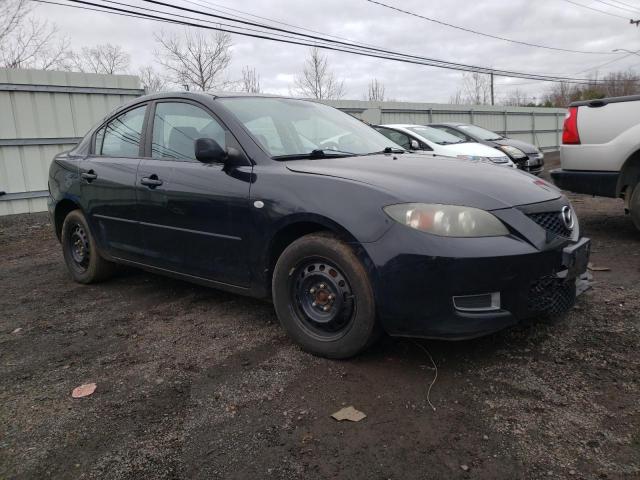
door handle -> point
(152, 181)
(89, 176)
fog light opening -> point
(484, 302)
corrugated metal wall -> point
(43, 113)
(539, 126)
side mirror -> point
(208, 151)
(415, 145)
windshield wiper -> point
(322, 152)
(317, 153)
(388, 150)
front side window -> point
(121, 137)
(177, 126)
(290, 129)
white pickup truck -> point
(600, 152)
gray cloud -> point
(549, 22)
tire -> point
(634, 206)
(80, 253)
(323, 297)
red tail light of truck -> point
(570, 135)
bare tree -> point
(26, 42)
(106, 58)
(376, 91)
(250, 80)
(151, 80)
(12, 14)
(618, 84)
(517, 98)
(316, 80)
(197, 60)
(456, 98)
(561, 94)
(476, 88)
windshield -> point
(288, 128)
(436, 136)
(480, 133)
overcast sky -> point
(549, 22)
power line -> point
(632, 10)
(328, 44)
(488, 35)
(213, 6)
(377, 49)
(625, 4)
(575, 73)
(596, 9)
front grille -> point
(551, 296)
(551, 222)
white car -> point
(438, 142)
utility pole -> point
(634, 22)
(492, 99)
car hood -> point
(524, 146)
(471, 148)
(420, 178)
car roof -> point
(449, 124)
(202, 96)
(183, 94)
(401, 125)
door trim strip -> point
(155, 225)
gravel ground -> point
(196, 383)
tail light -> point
(570, 131)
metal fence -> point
(541, 127)
(43, 113)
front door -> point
(194, 217)
(108, 182)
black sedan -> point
(527, 157)
(296, 201)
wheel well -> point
(287, 236)
(62, 210)
(629, 175)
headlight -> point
(513, 152)
(475, 158)
(447, 220)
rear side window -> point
(177, 126)
(121, 136)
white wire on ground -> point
(435, 377)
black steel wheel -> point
(79, 247)
(323, 297)
(80, 252)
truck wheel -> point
(634, 206)
(323, 297)
(80, 253)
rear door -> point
(194, 216)
(108, 179)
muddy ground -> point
(195, 383)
